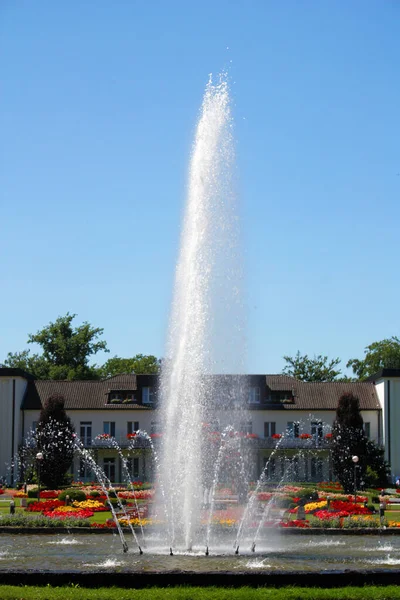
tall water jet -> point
(206, 324)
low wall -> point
(95, 579)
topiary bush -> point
(94, 494)
(116, 502)
(73, 494)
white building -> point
(121, 405)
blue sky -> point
(98, 107)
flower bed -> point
(66, 512)
(264, 496)
(50, 493)
(138, 494)
(48, 505)
(295, 523)
(93, 505)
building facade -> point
(276, 405)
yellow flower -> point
(88, 504)
(66, 509)
(315, 505)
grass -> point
(197, 593)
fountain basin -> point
(81, 552)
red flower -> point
(328, 436)
(305, 436)
(276, 436)
(294, 523)
(44, 506)
(130, 436)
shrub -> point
(33, 493)
(116, 503)
(283, 501)
(54, 424)
(73, 494)
(28, 520)
(94, 494)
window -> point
(116, 396)
(246, 427)
(317, 429)
(269, 429)
(281, 398)
(85, 472)
(133, 426)
(86, 433)
(214, 425)
(270, 467)
(133, 467)
(155, 427)
(109, 468)
(295, 469)
(254, 395)
(109, 428)
(147, 395)
(313, 468)
(293, 429)
(367, 429)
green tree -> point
(349, 440)
(319, 368)
(378, 355)
(66, 351)
(55, 439)
(31, 363)
(139, 364)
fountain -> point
(206, 327)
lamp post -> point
(39, 458)
(355, 460)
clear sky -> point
(99, 101)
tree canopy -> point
(139, 364)
(348, 440)
(378, 355)
(55, 439)
(319, 368)
(66, 351)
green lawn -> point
(196, 593)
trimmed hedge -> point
(73, 494)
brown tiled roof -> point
(325, 395)
(122, 382)
(281, 383)
(91, 395)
